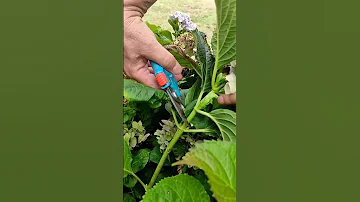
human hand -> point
(227, 99)
(140, 46)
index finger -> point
(164, 58)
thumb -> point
(164, 58)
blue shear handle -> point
(171, 79)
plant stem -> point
(133, 174)
(176, 137)
(198, 131)
(175, 119)
(213, 79)
(202, 112)
(165, 154)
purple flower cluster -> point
(184, 19)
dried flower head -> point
(165, 135)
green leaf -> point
(160, 94)
(157, 99)
(166, 173)
(203, 122)
(189, 107)
(225, 32)
(142, 138)
(133, 142)
(220, 81)
(138, 125)
(130, 181)
(145, 175)
(137, 191)
(206, 58)
(155, 105)
(208, 99)
(184, 61)
(174, 24)
(145, 114)
(129, 198)
(140, 160)
(179, 149)
(183, 94)
(127, 159)
(164, 37)
(155, 156)
(129, 113)
(194, 92)
(218, 160)
(178, 188)
(226, 121)
(127, 138)
(201, 176)
(189, 81)
(137, 92)
(213, 42)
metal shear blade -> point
(177, 104)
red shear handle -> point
(161, 79)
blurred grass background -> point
(202, 13)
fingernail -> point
(220, 100)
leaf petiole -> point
(199, 131)
(175, 119)
(133, 174)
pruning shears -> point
(168, 83)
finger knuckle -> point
(169, 60)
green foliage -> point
(194, 92)
(225, 37)
(206, 59)
(203, 122)
(129, 198)
(179, 188)
(163, 36)
(135, 135)
(136, 92)
(165, 135)
(218, 160)
(208, 99)
(127, 159)
(155, 156)
(226, 121)
(140, 159)
(130, 181)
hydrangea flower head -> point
(184, 19)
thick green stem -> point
(133, 174)
(176, 137)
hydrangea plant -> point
(204, 153)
